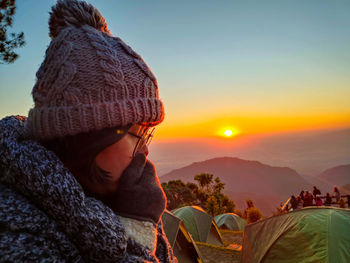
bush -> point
(212, 206)
(253, 215)
(341, 203)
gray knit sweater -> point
(46, 217)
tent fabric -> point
(315, 234)
(230, 221)
(214, 236)
(200, 224)
(185, 248)
(171, 225)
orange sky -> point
(249, 125)
(256, 68)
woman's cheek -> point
(124, 157)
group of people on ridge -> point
(314, 198)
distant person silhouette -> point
(300, 202)
(318, 201)
(308, 199)
(328, 200)
(293, 202)
(316, 192)
(336, 194)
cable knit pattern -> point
(89, 80)
(45, 215)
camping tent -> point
(200, 224)
(185, 248)
(230, 221)
(315, 234)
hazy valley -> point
(267, 185)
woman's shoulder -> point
(18, 213)
(27, 232)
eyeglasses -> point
(144, 135)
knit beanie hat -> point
(89, 80)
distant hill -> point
(308, 152)
(323, 185)
(346, 187)
(244, 179)
(339, 175)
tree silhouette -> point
(228, 205)
(207, 194)
(212, 206)
(204, 180)
(178, 194)
(218, 186)
(252, 214)
(8, 41)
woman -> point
(76, 185)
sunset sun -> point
(228, 133)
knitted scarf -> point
(40, 196)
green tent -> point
(315, 234)
(200, 224)
(185, 248)
(230, 221)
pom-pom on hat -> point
(89, 80)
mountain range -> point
(339, 175)
(308, 152)
(266, 185)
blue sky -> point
(216, 58)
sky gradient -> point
(252, 66)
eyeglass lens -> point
(144, 140)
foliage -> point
(8, 41)
(204, 180)
(341, 203)
(179, 194)
(249, 203)
(218, 186)
(207, 193)
(212, 206)
(228, 205)
(253, 214)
